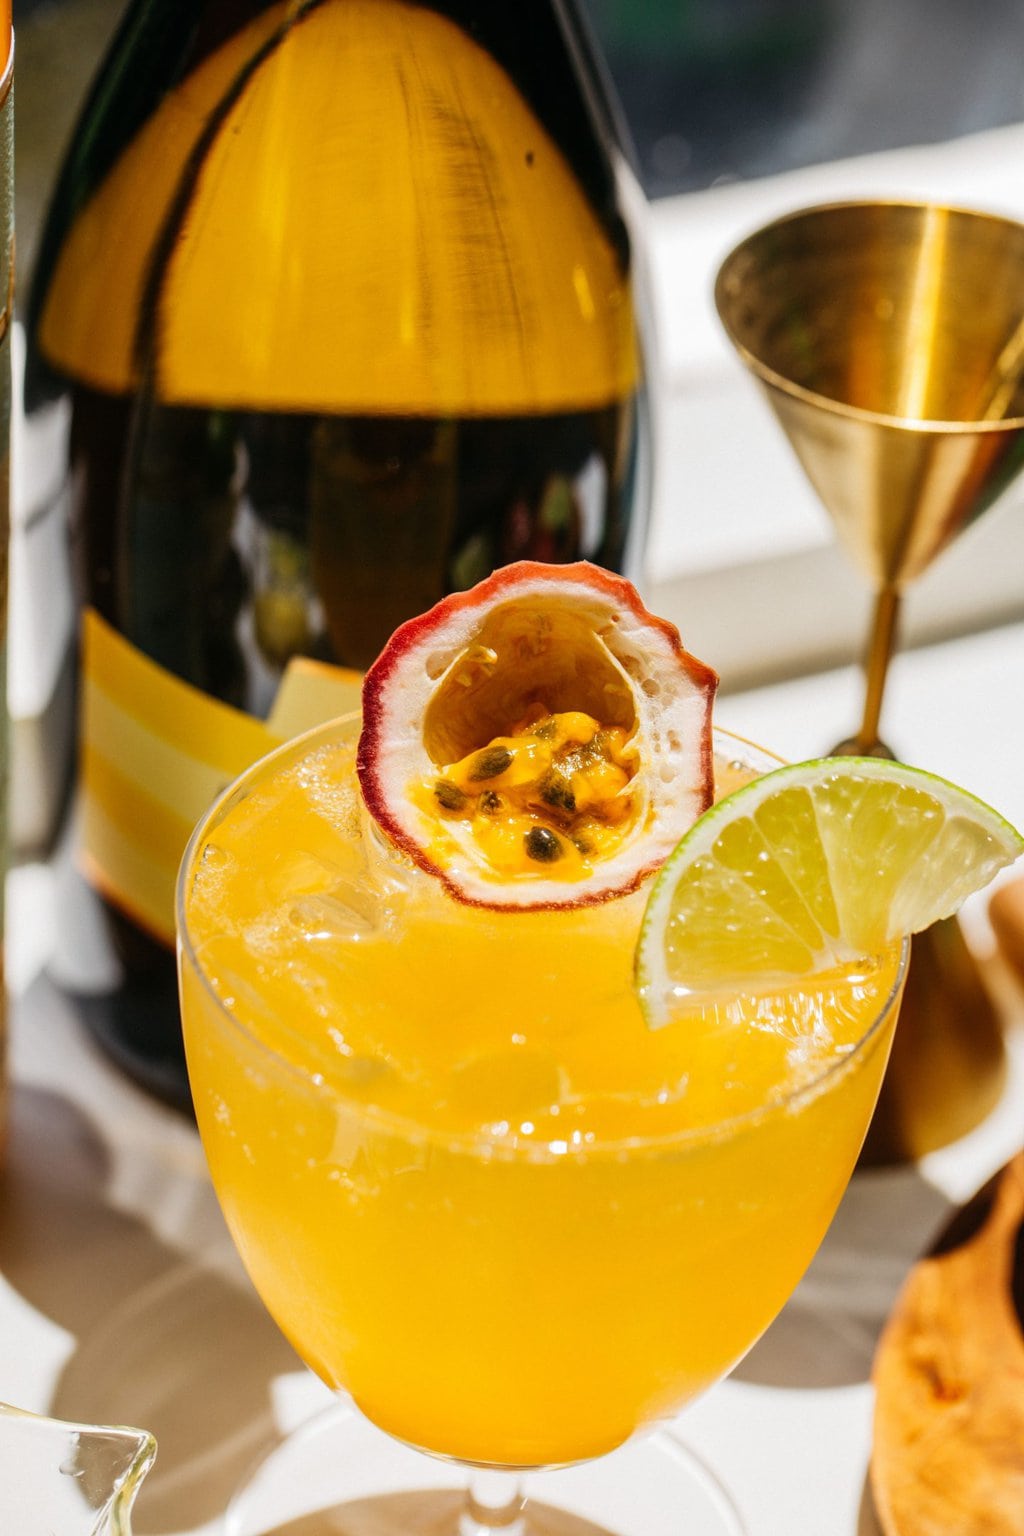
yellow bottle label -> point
(155, 751)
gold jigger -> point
(888, 338)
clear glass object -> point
(65, 1479)
(533, 1309)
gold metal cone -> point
(889, 341)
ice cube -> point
(346, 912)
(300, 873)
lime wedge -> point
(813, 866)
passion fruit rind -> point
(540, 741)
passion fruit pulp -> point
(541, 740)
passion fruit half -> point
(539, 741)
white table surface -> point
(121, 1299)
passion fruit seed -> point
(489, 763)
(556, 791)
(543, 845)
(490, 802)
(449, 795)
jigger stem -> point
(876, 666)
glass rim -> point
(389, 1122)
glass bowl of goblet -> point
(513, 1226)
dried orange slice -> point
(539, 741)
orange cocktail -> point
(471, 1184)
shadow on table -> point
(162, 1342)
(827, 1333)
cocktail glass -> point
(526, 1307)
(888, 339)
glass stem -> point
(876, 666)
(494, 1503)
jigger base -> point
(339, 1476)
(948, 1065)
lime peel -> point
(812, 866)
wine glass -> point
(524, 1307)
(888, 339)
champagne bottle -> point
(341, 295)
